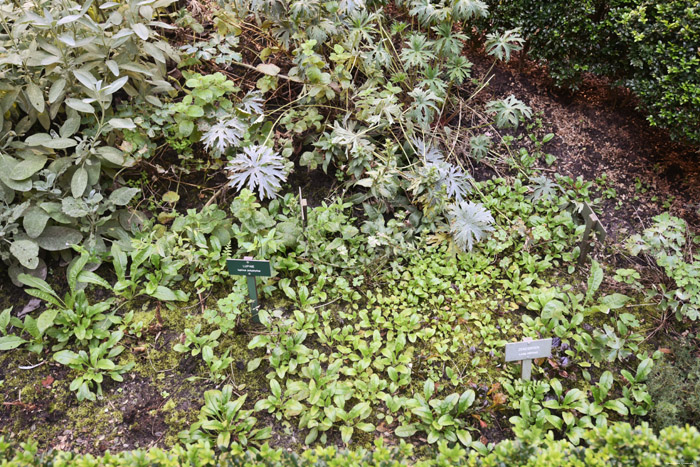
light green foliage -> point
(666, 243)
(224, 422)
(93, 365)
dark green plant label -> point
(248, 267)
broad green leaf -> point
(644, 369)
(78, 182)
(122, 196)
(10, 342)
(275, 388)
(28, 167)
(5, 319)
(617, 406)
(80, 106)
(56, 238)
(40, 294)
(292, 408)
(254, 364)
(34, 221)
(185, 128)
(115, 86)
(464, 437)
(56, 90)
(27, 252)
(72, 207)
(76, 267)
(122, 123)
(36, 97)
(346, 433)
(194, 111)
(45, 320)
(141, 30)
(113, 67)
(594, 280)
(111, 155)
(69, 127)
(66, 357)
(105, 364)
(36, 283)
(615, 301)
(269, 69)
(164, 294)
(405, 431)
(86, 79)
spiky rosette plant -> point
(469, 223)
(258, 168)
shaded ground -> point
(599, 131)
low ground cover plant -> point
(435, 236)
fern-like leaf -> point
(509, 111)
(258, 167)
(252, 103)
(469, 223)
(418, 51)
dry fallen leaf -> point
(48, 381)
(499, 398)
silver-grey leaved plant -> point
(469, 223)
(258, 167)
(223, 135)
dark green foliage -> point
(620, 444)
(663, 48)
(674, 385)
(651, 47)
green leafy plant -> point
(222, 420)
(93, 365)
(60, 124)
(440, 419)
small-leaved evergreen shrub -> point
(616, 445)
